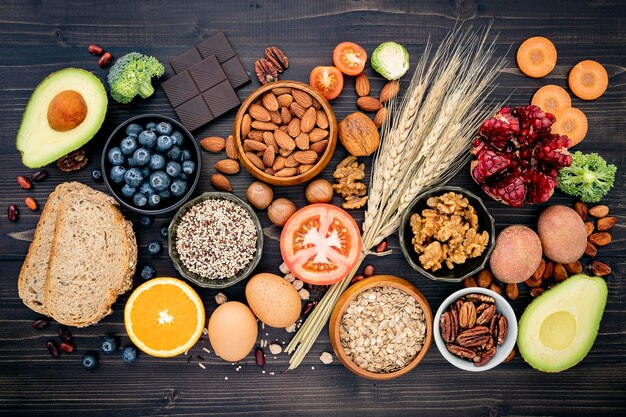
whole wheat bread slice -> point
(92, 259)
(32, 279)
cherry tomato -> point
(328, 81)
(350, 58)
(320, 244)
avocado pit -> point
(66, 111)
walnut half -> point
(348, 175)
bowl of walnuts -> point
(285, 133)
(447, 234)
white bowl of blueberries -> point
(151, 164)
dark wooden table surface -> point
(38, 37)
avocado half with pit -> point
(65, 111)
(559, 327)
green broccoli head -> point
(589, 177)
(131, 75)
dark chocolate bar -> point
(186, 60)
(180, 88)
(194, 113)
(221, 98)
(207, 73)
(217, 45)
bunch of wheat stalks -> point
(424, 144)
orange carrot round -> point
(536, 57)
(552, 98)
(588, 80)
(571, 122)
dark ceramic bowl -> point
(116, 189)
(192, 276)
(471, 265)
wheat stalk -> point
(423, 144)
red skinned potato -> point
(563, 234)
(517, 254)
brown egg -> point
(273, 300)
(232, 331)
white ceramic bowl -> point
(502, 351)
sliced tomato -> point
(328, 81)
(350, 58)
(320, 244)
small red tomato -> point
(328, 81)
(350, 58)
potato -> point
(517, 254)
(562, 233)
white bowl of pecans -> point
(475, 329)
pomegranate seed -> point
(53, 348)
(40, 323)
(259, 356)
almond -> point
(599, 269)
(293, 129)
(362, 85)
(316, 104)
(322, 119)
(283, 128)
(264, 125)
(286, 172)
(582, 209)
(213, 144)
(268, 139)
(227, 166)
(532, 282)
(302, 98)
(389, 91)
(308, 120)
(600, 238)
(547, 273)
(270, 171)
(302, 141)
(276, 117)
(574, 267)
(255, 135)
(538, 274)
(297, 110)
(269, 101)
(279, 163)
(536, 292)
(560, 273)
(269, 156)
(485, 278)
(259, 113)
(279, 91)
(318, 134)
(254, 145)
(319, 147)
(246, 125)
(589, 226)
(591, 250)
(512, 291)
(255, 160)
(285, 100)
(284, 152)
(290, 161)
(284, 141)
(221, 182)
(285, 115)
(381, 116)
(599, 211)
(231, 148)
(495, 288)
(606, 223)
(304, 168)
(305, 157)
(367, 103)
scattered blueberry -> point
(90, 362)
(177, 137)
(183, 176)
(145, 171)
(108, 344)
(146, 189)
(140, 200)
(117, 174)
(128, 191)
(174, 153)
(133, 129)
(151, 126)
(157, 161)
(129, 354)
(189, 167)
(185, 155)
(164, 143)
(159, 181)
(141, 157)
(173, 169)
(146, 221)
(165, 194)
(154, 247)
(133, 177)
(128, 145)
(147, 272)
(115, 156)
(164, 128)
(164, 231)
(96, 174)
(154, 200)
(178, 188)
(147, 138)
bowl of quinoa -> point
(215, 240)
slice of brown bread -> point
(34, 273)
(92, 260)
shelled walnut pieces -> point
(348, 175)
(447, 232)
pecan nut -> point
(480, 297)
(486, 315)
(467, 315)
(265, 71)
(474, 337)
(73, 161)
(485, 357)
(277, 57)
(461, 351)
(447, 327)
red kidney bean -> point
(259, 356)
(368, 271)
(308, 308)
(24, 182)
(309, 286)
(382, 246)
(12, 212)
(38, 176)
(67, 346)
(94, 49)
(64, 333)
(357, 278)
(31, 203)
(40, 323)
(53, 348)
(105, 60)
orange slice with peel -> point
(164, 317)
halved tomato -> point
(320, 244)
(328, 81)
(350, 58)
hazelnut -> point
(260, 195)
(280, 211)
(319, 191)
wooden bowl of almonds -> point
(285, 133)
(381, 327)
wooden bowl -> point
(349, 295)
(324, 158)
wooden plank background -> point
(38, 37)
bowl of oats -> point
(215, 240)
(381, 327)
(447, 234)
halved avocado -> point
(65, 111)
(558, 328)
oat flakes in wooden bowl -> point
(285, 133)
(381, 327)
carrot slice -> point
(536, 57)
(552, 98)
(588, 80)
(571, 122)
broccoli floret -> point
(589, 177)
(132, 75)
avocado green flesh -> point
(38, 143)
(558, 328)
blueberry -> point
(115, 156)
(133, 177)
(165, 194)
(185, 155)
(154, 200)
(151, 126)
(133, 129)
(154, 247)
(90, 361)
(178, 188)
(145, 171)
(141, 157)
(129, 354)
(173, 169)
(189, 167)
(96, 174)
(164, 143)
(140, 200)
(174, 153)
(164, 128)
(145, 221)
(128, 145)
(159, 180)
(164, 231)
(147, 272)
(117, 174)
(128, 191)
(177, 137)
(146, 189)
(147, 138)
(183, 176)
(108, 344)
(157, 161)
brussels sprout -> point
(391, 60)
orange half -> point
(164, 317)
